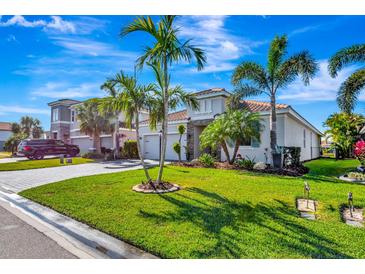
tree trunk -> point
(236, 146)
(97, 142)
(273, 136)
(180, 148)
(225, 150)
(116, 139)
(164, 121)
(140, 151)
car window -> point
(59, 143)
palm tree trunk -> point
(164, 121)
(180, 148)
(140, 151)
(236, 146)
(225, 150)
(273, 135)
(97, 142)
(116, 139)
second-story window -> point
(304, 138)
(72, 116)
(205, 106)
(55, 115)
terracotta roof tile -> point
(209, 91)
(175, 116)
(256, 106)
(5, 126)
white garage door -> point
(152, 146)
(83, 143)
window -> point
(304, 138)
(72, 116)
(54, 135)
(55, 114)
(245, 142)
(205, 106)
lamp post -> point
(306, 191)
(351, 203)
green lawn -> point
(32, 164)
(218, 214)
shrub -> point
(206, 160)
(291, 156)
(245, 163)
(130, 150)
(92, 155)
(259, 166)
(359, 151)
(177, 148)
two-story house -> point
(292, 130)
(65, 126)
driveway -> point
(19, 180)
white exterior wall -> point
(258, 153)
(153, 141)
(217, 107)
(294, 136)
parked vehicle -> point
(37, 149)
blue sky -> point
(45, 58)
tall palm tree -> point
(350, 89)
(166, 49)
(278, 74)
(177, 96)
(106, 107)
(31, 127)
(127, 96)
(92, 122)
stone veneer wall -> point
(62, 130)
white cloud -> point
(55, 24)
(322, 88)
(222, 48)
(6, 109)
(60, 90)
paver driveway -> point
(19, 180)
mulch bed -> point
(162, 187)
(292, 171)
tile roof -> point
(256, 106)
(5, 126)
(251, 105)
(210, 91)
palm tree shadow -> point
(226, 221)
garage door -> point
(152, 146)
(83, 143)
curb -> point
(78, 238)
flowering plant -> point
(359, 151)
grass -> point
(5, 154)
(33, 164)
(218, 214)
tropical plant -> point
(177, 145)
(230, 129)
(245, 163)
(359, 151)
(349, 91)
(94, 123)
(166, 49)
(129, 97)
(13, 141)
(252, 79)
(206, 160)
(344, 129)
(31, 127)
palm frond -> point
(346, 56)
(348, 93)
(252, 72)
(276, 54)
(242, 91)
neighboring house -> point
(292, 130)
(5, 133)
(65, 126)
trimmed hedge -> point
(129, 149)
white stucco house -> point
(5, 133)
(292, 130)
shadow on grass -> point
(227, 223)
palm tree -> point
(93, 123)
(31, 127)
(278, 74)
(126, 95)
(350, 89)
(166, 49)
(109, 88)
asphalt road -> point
(18, 240)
